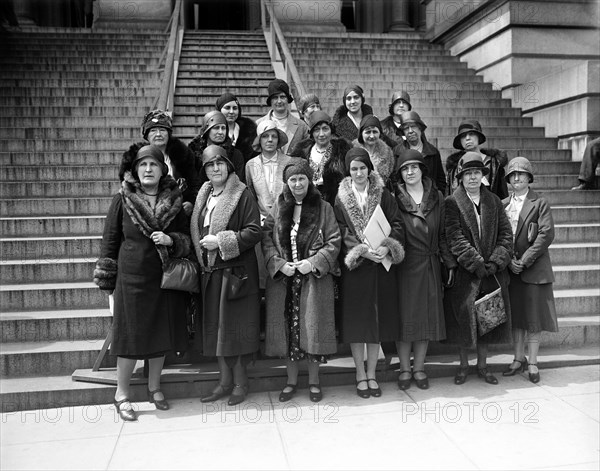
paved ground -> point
(515, 425)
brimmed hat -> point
(226, 98)
(519, 164)
(263, 127)
(297, 166)
(358, 153)
(214, 152)
(366, 122)
(353, 88)
(319, 117)
(276, 87)
(156, 119)
(412, 117)
(401, 95)
(213, 118)
(468, 125)
(150, 151)
(470, 160)
(306, 100)
(406, 157)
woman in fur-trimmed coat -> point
(344, 126)
(145, 225)
(369, 304)
(225, 227)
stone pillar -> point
(400, 16)
(310, 16)
(125, 14)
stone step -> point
(192, 75)
(131, 132)
(70, 122)
(322, 80)
(39, 70)
(54, 206)
(57, 296)
(73, 48)
(73, 145)
(567, 253)
(346, 62)
(574, 233)
(217, 55)
(41, 226)
(60, 172)
(568, 197)
(77, 101)
(60, 158)
(137, 110)
(582, 276)
(50, 270)
(197, 379)
(55, 326)
(127, 91)
(75, 83)
(554, 182)
(564, 214)
(82, 74)
(50, 247)
(110, 60)
(33, 189)
(577, 302)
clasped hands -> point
(516, 266)
(303, 266)
(376, 255)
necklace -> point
(213, 194)
(149, 194)
(321, 151)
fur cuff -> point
(228, 245)
(353, 257)
(396, 249)
(182, 245)
(105, 274)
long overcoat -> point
(369, 304)
(230, 324)
(147, 320)
(471, 251)
(318, 241)
(419, 275)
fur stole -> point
(382, 158)
(359, 220)
(227, 204)
(309, 221)
(168, 204)
(344, 126)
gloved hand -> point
(481, 272)
(491, 268)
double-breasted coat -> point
(471, 250)
(532, 299)
(369, 303)
(318, 241)
(230, 323)
(419, 275)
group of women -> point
(350, 239)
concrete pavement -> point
(514, 425)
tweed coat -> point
(471, 251)
(318, 241)
(497, 181)
(230, 326)
(419, 275)
(147, 320)
(344, 126)
(334, 170)
(297, 130)
(369, 304)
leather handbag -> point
(181, 274)
(490, 310)
(237, 283)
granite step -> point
(36, 189)
(74, 145)
(50, 270)
(569, 197)
(575, 233)
(59, 110)
(54, 206)
(60, 158)
(57, 296)
(50, 247)
(132, 131)
(56, 225)
(56, 173)
(582, 276)
(564, 214)
(567, 253)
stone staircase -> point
(213, 62)
(72, 102)
(444, 91)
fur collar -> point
(382, 158)
(168, 204)
(342, 112)
(309, 221)
(489, 222)
(222, 213)
(347, 197)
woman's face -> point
(231, 111)
(411, 174)
(217, 172)
(353, 102)
(519, 181)
(400, 107)
(469, 141)
(322, 134)
(471, 180)
(149, 172)
(371, 135)
(298, 185)
(269, 140)
(158, 136)
(412, 131)
(279, 102)
(310, 110)
(359, 172)
(217, 133)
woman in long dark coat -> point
(225, 227)
(531, 277)
(369, 305)
(301, 243)
(241, 130)
(419, 276)
(480, 239)
(144, 226)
